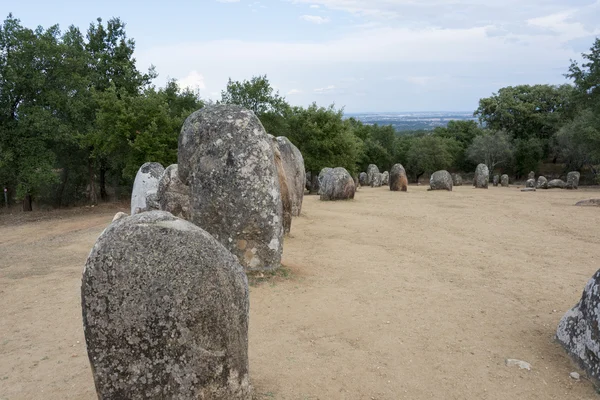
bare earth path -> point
(418, 295)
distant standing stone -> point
(398, 179)
(530, 183)
(482, 177)
(440, 180)
(579, 330)
(531, 175)
(504, 180)
(556, 184)
(373, 176)
(589, 203)
(362, 179)
(528, 189)
(226, 158)
(496, 180)
(293, 164)
(173, 195)
(573, 180)
(146, 182)
(457, 180)
(542, 182)
(337, 184)
(322, 174)
(165, 312)
(308, 183)
(385, 178)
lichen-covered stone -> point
(457, 180)
(373, 176)
(173, 195)
(530, 183)
(226, 158)
(322, 174)
(579, 330)
(504, 180)
(337, 184)
(542, 182)
(165, 312)
(557, 184)
(362, 179)
(293, 164)
(385, 178)
(286, 196)
(398, 179)
(588, 203)
(482, 177)
(440, 180)
(146, 183)
(573, 180)
(496, 180)
(531, 175)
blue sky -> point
(375, 55)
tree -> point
(578, 142)
(491, 149)
(429, 153)
(587, 78)
(463, 132)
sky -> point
(363, 55)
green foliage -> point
(429, 153)
(527, 155)
(491, 149)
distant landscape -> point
(411, 121)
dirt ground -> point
(418, 295)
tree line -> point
(77, 119)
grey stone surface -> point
(118, 216)
(308, 184)
(530, 183)
(337, 184)
(165, 312)
(373, 176)
(146, 182)
(504, 180)
(440, 180)
(531, 175)
(528, 189)
(573, 180)
(482, 177)
(322, 174)
(173, 195)
(588, 203)
(293, 164)
(496, 180)
(398, 179)
(511, 362)
(362, 179)
(385, 178)
(542, 182)
(226, 158)
(579, 330)
(284, 190)
(457, 180)
(557, 184)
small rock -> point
(510, 362)
(574, 375)
(529, 189)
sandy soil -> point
(418, 295)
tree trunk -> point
(27, 206)
(103, 194)
(62, 187)
(92, 183)
(418, 176)
(314, 183)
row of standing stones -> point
(164, 291)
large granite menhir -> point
(293, 164)
(144, 186)
(173, 195)
(482, 177)
(441, 180)
(225, 156)
(337, 184)
(398, 179)
(165, 312)
(373, 176)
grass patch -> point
(257, 278)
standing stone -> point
(165, 312)
(293, 164)
(531, 175)
(457, 180)
(398, 179)
(504, 180)
(440, 180)
(373, 177)
(557, 184)
(322, 174)
(530, 183)
(173, 195)
(573, 180)
(286, 197)
(482, 177)
(362, 179)
(542, 182)
(496, 180)
(579, 330)
(385, 178)
(308, 184)
(337, 184)
(146, 183)
(226, 158)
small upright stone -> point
(573, 180)
(482, 177)
(173, 195)
(293, 164)
(440, 180)
(457, 180)
(362, 179)
(542, 182)
(530, 183)
(531, 175)
(496, 180)
(398, 179)
(145, 184)
(385, 178)
(165, 312)
(504, 180)
(373, 176)
(337, 184)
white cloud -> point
(324, 89)
(315, 19)
(293, 92)
(193, 80)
